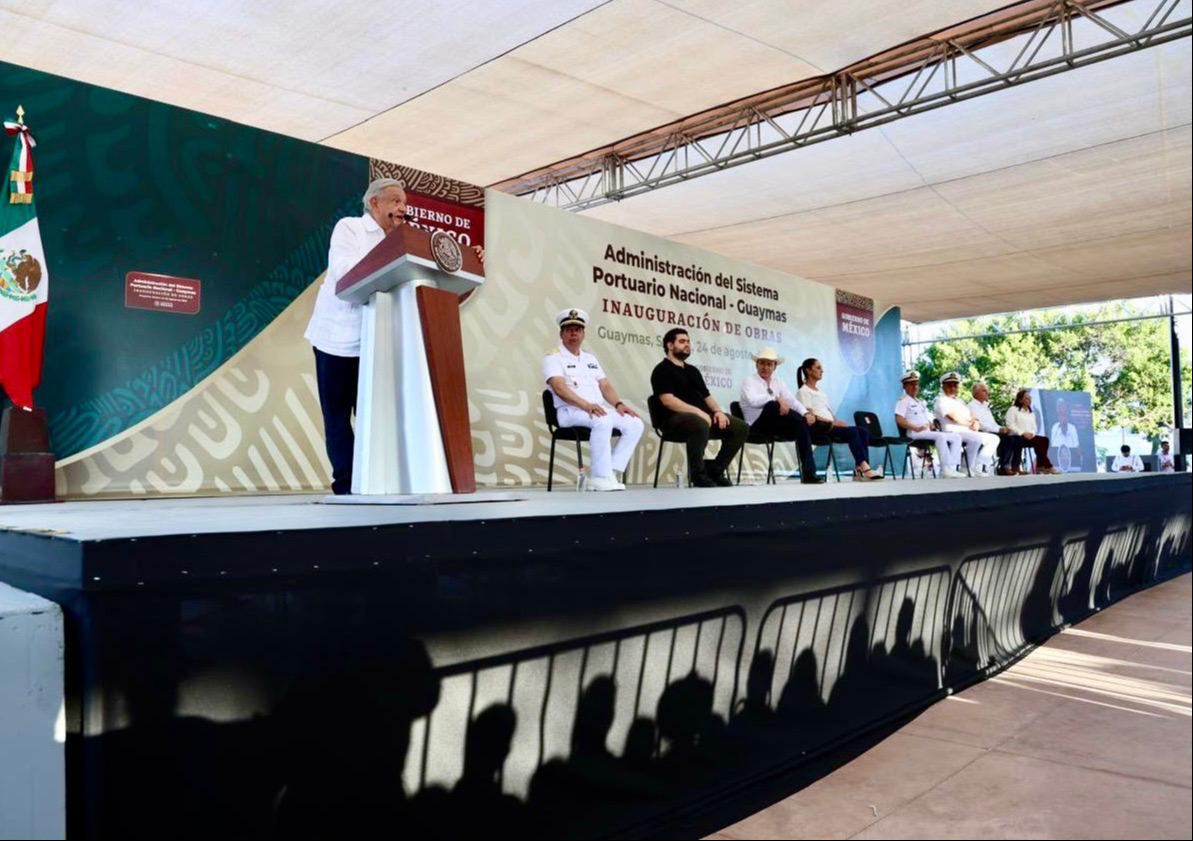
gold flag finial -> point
(21, 114)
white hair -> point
(979, 384)
(377, 186)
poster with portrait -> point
(1067, 418)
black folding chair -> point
(767, 441)
(568, 433)
(654, 409)
(869, 422)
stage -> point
(525, 663)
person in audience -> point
(585, 397)
(770, 408)
(1021, 421)
(954, 416)
(1166, 460)
(689, 411)
(915, 422)
(1010, 445)
(809, 375)
(1126, 463)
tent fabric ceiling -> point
(305, 68)
(1068, 189)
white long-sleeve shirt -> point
(1020, 421)
(985, 417)
(755, 395)
(816, 402)
(335, 325)
(1134, 462)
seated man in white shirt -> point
(954, 416)
(914, 421)
(770, 408)
(1166, 459)
(1126, 463)
(585, 397)
(1010, 445)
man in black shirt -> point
(688, 411)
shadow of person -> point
(801, 706)
(964, 655)
(907, 666)
(479, 807)
(755, 710)
(590, 787)
(341, 738)
(145, 770)
(694, 735)
(850, 700)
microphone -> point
(408, 218)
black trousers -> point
(336, 376)
(788, 427)
(695, 433)
(1010, 450)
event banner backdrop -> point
(187, 250)
(635, 287)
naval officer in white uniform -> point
(955, 417)
(915, 421)
(585, 397)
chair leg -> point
(832, 459)
(579, 456)
(658, 463)
(741, 460)
(888, 459)
(770, 464)
(551, 466)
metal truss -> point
(1013, 46)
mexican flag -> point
(24, 281)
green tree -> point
(1124, 366)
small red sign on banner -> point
(143, 291)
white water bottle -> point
(582, 480)
(679, 478)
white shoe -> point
(605, 483)
(986, 473)
(951, 473)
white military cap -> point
(769, 354)
(950, 377)
(911, 377)
(572, 316)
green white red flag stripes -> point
(24, 280)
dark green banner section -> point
(124, 184)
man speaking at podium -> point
(334, 329)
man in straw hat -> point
(954, 416)
(770, 408)
(585, 397)
(914, 419)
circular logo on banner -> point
(446, 252)
(20, 275)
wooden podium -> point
(412, 429)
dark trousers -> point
(1010, 450)
(695, 433)
(857, 439)
(336, 376)
(1040, 445)
(788, 427)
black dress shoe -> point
(718, 474)
(703, 480)
(813, 480)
